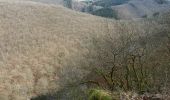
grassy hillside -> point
(44, 47)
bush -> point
(98, 94)
(44, 97)
(160, 1)
(134, 76)
(156, 14)
(106, 12)
(109, 3)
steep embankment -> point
(44, 47)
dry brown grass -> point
(43, 47)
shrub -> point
(98, 94)
(44, 97)
(134, 76)
(160, 1)
(156, 14)
(109, 3)
(106, 12)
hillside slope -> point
(45, 47)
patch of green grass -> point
(97, 94)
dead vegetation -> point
(139, 61)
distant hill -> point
(129, 9)
(141, 8)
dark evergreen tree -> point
(68, 3)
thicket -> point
(139, 63)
